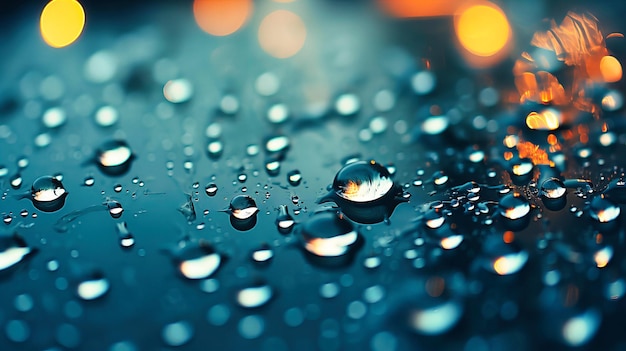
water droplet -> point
(211, 189)
(263, 254)
(215, 148)
(329, 239)
(372, 262)
(197, 260)
(284, 221)
(24, 213)
(16, 181)
(54, 117)
(294, 177)
(126, 238)
(117, 188)
(94, 286)
(580, 329)
(178, 333)
(114, 157)
(13, 250)
(257, 295)
(115, 208)
(553, 194)
(242, 177)
(7, 219)
(433, 219)
(603, 210)
(503, 258)
(272, 167)
(277, 146)
(178, 91)
(514, 206)
(440, 178)
(17, 331)
(365, 192)
(48, 194)
(4, 170)
(243, 207)
(89, 181)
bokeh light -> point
(611, 69)
(61, 22)
(221, 17)
(282, 34)
(423, 8)
(482, 29)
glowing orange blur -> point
(61, 22)
(547, 119)
(422, 8)
(537, 155)
(221, 17)
(611, 69)
(282, 34)
(482, 29)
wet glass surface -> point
(312, 175)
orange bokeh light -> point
(221, 17)
(61, 22)
(423, 8)
(611, 69)
(282, 34)
(482, 29)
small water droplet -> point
(126, 238)
(16, 181)
(256, 295)
(294, 177)
(263, 254)
(284, 221)
(93, 286)
(54, 117)
(89, 181)
(278, 113)
(215, 148)
(106, 116)
(115, 208)
(229, 104)
(211, 189)
(117, 188)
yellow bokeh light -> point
(482, 29)
(611, 69)
(282, 34)
(221, 17)
(61, 22)
(422, 8)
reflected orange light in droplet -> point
(611, 69)
(221, 17)
(282, 34)
(61, 22)
(482, 29)
(422, 8)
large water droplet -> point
(48, 194)
(243, 207)
(503, 257)
(114, 157)
(514, 206)
(329, 239)
(553, 194)
(365, 192)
